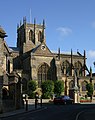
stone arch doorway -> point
(5, 93)
(43, 73)
(71, 89)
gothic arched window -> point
(65, 67)
(40, 36)
(71, 84)
(78, 67)
(31, 35)
(83, 84)
(43, 73)
(8, 66)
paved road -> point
(58, 112)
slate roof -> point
(14, 49)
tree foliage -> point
(58, 87)
(89, 88)
(47, 88)
(32, 85)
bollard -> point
(41, 101)
(26, 105)
(36, 99)
(26, 100)
(36, 102)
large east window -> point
(43, 73)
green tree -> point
(32, 86)
(47, 88)
(89, 88)
(58, 87)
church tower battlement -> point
(30, 35)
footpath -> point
(31, 107)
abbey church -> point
(31, 59)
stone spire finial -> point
(84, 61)
(71, 61)
(59, 53)
(34, 28)
(24, 20)
(43, 24)
(90, 72)
(43, 30)
(17, 26)
(20, 23)
(84, 53)
(34, 20)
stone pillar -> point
(76, 96)
(59, 74)
(76, 88)
(1, 85)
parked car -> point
(63, 100)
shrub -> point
(58, 87)
(32, 85)
(47, 88)
(31, 94)
(89, 88)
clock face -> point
(43, 47)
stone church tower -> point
(30, 36)
(35, 59)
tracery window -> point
(71, 84)
(83, 84)
(31, 36)
(40, 36)
(78, 67)
(65, 67)
(43, 73)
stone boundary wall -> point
(8, 105)
(32, 101)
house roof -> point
(14, 49)
(42, 49)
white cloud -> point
(64, 31)
(91, 59)
(91, 54)
(93, 24)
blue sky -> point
(70, 24)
